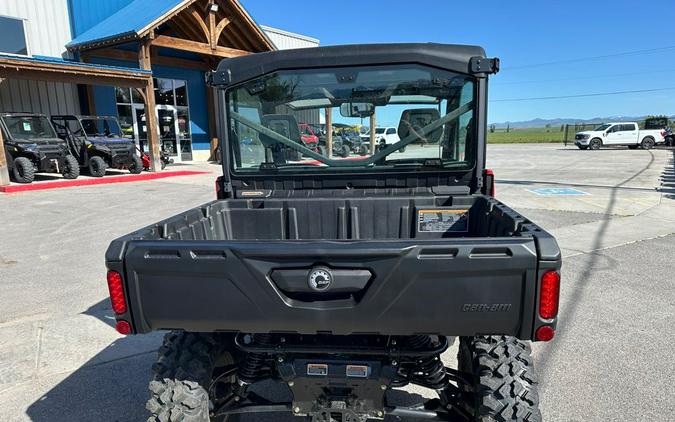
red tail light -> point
(489, 183)
(549, 294)
(544, 333)
(123, 327)
(116, 289)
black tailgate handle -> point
(321, 281)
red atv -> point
(309, 138)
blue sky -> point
(520, 33)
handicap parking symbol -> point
(558, 192)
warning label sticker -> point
(442, 221)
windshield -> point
(431, 110)
(602, 127)
(30, 127)
(102, 127)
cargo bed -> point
(463, 265)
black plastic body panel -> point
(457, 58)
(211, 268)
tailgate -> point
(446, 287)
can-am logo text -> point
(486, 307)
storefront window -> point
(136, 97)
(164, 92)
(122, 95)
(181, 93)
(126, 119)
(171, 97)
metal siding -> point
(38, 97)
(47, 24)
(284, 40)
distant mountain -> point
(567, 121)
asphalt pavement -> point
(61, 360)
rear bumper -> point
(458, 287)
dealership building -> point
(124, 57)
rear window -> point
(432, 108)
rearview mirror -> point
(357, 109)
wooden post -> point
(4, 168)
(213, 128)
(91, 104)
(372, 133)
(150, 108)
(329, 132)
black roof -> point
(457, 58)
(81, 116)
(22, 114)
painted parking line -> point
(558, 192)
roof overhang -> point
(108, 32)
(54, 70)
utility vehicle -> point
(31, 146)
(342, 279)
(98, 143)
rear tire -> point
(648, 143)
(345, 151)
(503, 378)
(136, 166)
(71, 169)
(97, 167)
(595, 144)
(179, 390)
(23, 170)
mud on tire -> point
(182, 374)
(504, 382)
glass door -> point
(167, 124)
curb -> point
(58, 184)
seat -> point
(414, 119)
(287, 126)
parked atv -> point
(32, 146)
(339, 149)
(98, 143)
(339, 280)
(310, 139)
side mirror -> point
(357, 109)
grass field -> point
(529, 135)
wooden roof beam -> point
(196, 47)
(131, 56)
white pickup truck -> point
(620, 133)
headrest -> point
(283, 124)
(414, 119)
